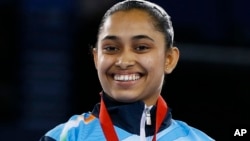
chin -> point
(126, 98)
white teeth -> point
(128, 77)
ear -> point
(172, 58)
(94, 53)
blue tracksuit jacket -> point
(126, 118)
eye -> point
(141, 48)
(110, 49)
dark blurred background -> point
(47, 72)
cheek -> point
(103, 63)
(153, 64)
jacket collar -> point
(128, 115)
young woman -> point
(133, 54)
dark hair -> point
(161, 20)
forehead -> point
(131, 17)
(138, 14)
(127, 25)
(129, 22)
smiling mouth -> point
(127, 77)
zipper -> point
(145, 120)
(148, 116)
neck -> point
(151, 101)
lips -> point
(127, 77)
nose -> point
(125, 60)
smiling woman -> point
(133, 54)
(141, 52)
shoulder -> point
(75, 124)
(181, 131)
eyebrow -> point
(137, 37)
(111, 37)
